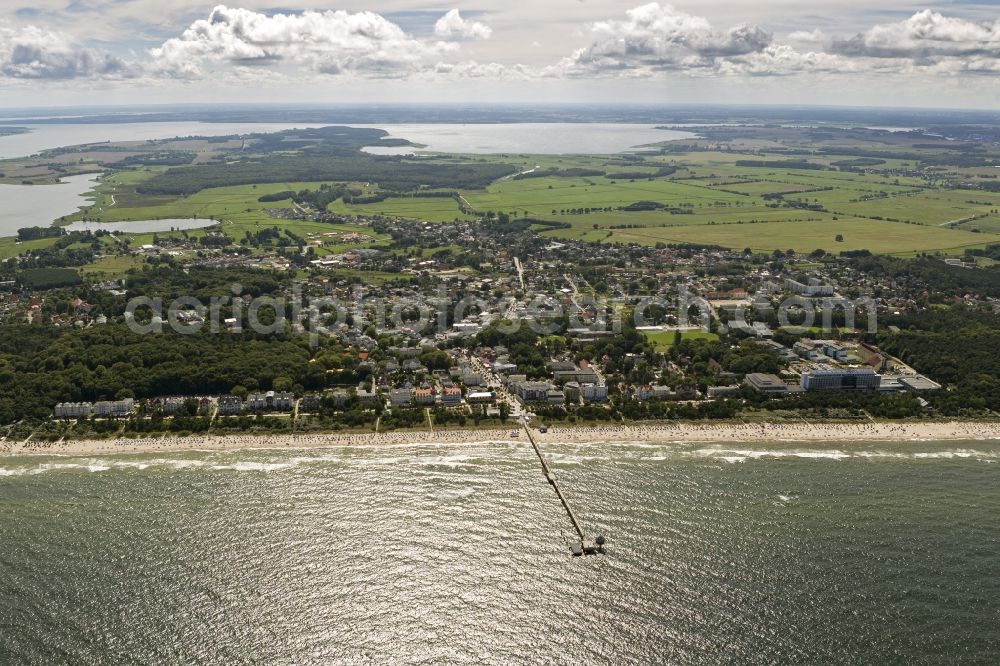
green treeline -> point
(34, 233)
(943, 279)
(641, 175)
(48, 278)
(956, 346)
(327, 153)
(276, 196)
(160, 158)
(560, 173)
(41, 366)
(780, 164)
(389, 173)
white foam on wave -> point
(741, 455)
(452, 458)
(453, 461)
(253, 467)
(456, 494)
(961, 453)
(55, 467)
(181, 464)
(879, 454)
(131, 465)
(830, 455)
(731, 453)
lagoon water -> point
(38, 205)
(48, 136)
(143, 226)
(535, 138)
(541, 138)
(30, 205)
(771, 554)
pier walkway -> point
(587, 545)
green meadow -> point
(710, 198)
(664, 340)
(713, 200)
(879, 237)
(236, 209)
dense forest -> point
(41, 366)
(329, 153)
(957, 346)
(940, 278)
(394, 173)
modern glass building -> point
(850, 379)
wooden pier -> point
(586, 546)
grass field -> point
(724, 204)
(239, 203)
(877, 236)
(237, 210)
(111, 267)
(9, 247)
(710, 199)
(665, 340)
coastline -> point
(664, 434)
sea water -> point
(754, 553)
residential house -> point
(594, 392)
(271, 401)
(73, 410)
(423, 396)
(451, 396)
(229, 405)
(311, 403)
(554, 397)
(114, 408)
(366, 397)
(531, 391)
(402, 397)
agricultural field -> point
(764, 188)
(698, 207)
(712, 198)
(879, 237)
(10, 247)
(112, 266)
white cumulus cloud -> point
(452, 25)
(476, 70)
(659, 37)
(35, 53)
(331, 42)
(815, 36)
(925, 34)
(783, 60)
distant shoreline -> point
(664, 434)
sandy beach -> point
(723, 433)
(780, 432)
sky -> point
(822, 52)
